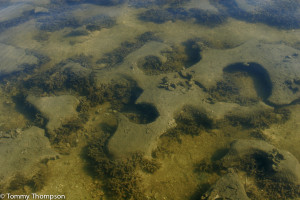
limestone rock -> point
(277, 164)
(131, 137)
(228, 187)
(13, 59)
(280, 67)
(57, 109)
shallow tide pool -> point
(149, 99)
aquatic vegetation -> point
(118, 93)
(117, 55)
(228, 91)
(207, 18)
(151, 64)
(162, 15)
(82, 59)
(39, 180)
(178, 58)
(121, 178)
(259, 166)
(173, 78)
(98, 22)
(48, 81)
(77, 33)
(19, 182)
(191, 121)
(26, 16)
(41, 36)
(262, 119)
(149, 3)
(97, 2)
(60, 17)
(66, 133)
(277, 13)
(57, 22)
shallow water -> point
(130, 99)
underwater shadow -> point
(281, 13)
(260, 76)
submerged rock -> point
(274, 65)
(14, 59)
(229, 187)
(278, 13)
(57, 110)
(24, 152)
(275, 164)
(129, 136)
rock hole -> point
(260, 76)
(142, 113)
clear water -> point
(148, 99)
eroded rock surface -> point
(168, 93)
(276, 164)
(279, 61)
(228, 186)
(14, 59)
(57, 109)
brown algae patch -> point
(180, 57)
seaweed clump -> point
(277, 13)
(57, 22)
(117, 55)
(97, 2)
(26, 16)
(191, 121)
(178, 58)
(162, 15)
(99, 22)
(260, 120)
(259, 165)
(21, 183)
(121, 178)
(119, 93)
(147, 3)
(65, 137)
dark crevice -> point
(142, 113)
(262, 81)
(192, 50)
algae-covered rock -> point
(168, 94)
(24, 152)
(278, 13)
(228, 187)
(275, 164)
(274, 65)
(57, 109)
